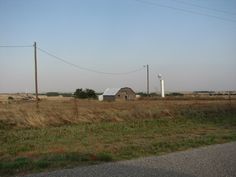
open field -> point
(67, 133)
(59, 111)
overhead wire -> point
(185, 10)
(87, 69)
(204, 7)
(15, 46)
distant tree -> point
(52, 94)
(79, 93)
(84, 94)
(66, 94)
(90, 93)
(175, 94)
(153, 94)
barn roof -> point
(111, 91)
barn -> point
(112, 94)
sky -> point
(192, 43)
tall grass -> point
(55, 113)
(59, 112)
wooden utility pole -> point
(147, 80)
(36, 74)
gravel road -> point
(211, 161)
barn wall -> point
(126, 94)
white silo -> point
(162, 88)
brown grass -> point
(61, 112)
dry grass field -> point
(63, 133)
(55, 112)
(58, 112)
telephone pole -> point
(147, 80)
(36, 74)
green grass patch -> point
(51, 161)
(42, 163)
(104, 157)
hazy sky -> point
(192, 51)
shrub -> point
(84, 94)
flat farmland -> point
(67, 133)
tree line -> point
(79, 93)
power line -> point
(15, 46)
(87, 69)
(185, 10)
(204, 7)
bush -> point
(84, 94)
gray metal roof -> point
(111, 91)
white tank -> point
(162, 88)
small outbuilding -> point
(112, 94)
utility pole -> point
(36, 74)
(147, 80)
